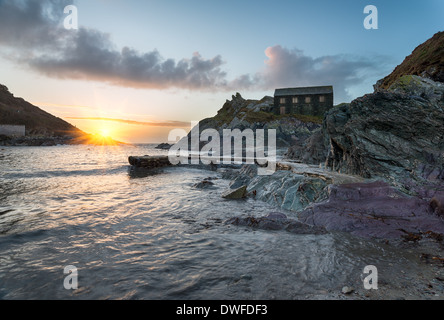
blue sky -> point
(160, 61)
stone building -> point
(12, 130)
(312, 101)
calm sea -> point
(154, 236)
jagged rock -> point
(244, 176)
(240, 113)
(238, 193)
(277, 221)
(312, 150)
(393, 135)
(288, 190)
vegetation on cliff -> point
(427, 61)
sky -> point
(137, 69)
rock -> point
(205, 184)
(238, 193)
(372, 210)
(374, 135)
(312, 150)
(277, 221)
(347, 290)
(244, 176)
(149, 161)
(288, 190)
(397, 132)
(164, 146)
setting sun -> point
(105, 132)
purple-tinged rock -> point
(373, 210)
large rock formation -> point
(240, 113)
(396, 134)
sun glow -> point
(105, 132)
(102, 136)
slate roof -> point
(303, 91)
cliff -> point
(395, 134)
(427, 61)
(42, 128)
(17, 111)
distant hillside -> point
(42, 128)
(17, 111)
(426, 61)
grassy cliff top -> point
(427, 61)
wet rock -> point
(149, 161)
(244, 176)
(204, 184)
(238, 193)
(373, 210)
(288, 190)
(277, 221)
(347, 290)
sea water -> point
(152, 235)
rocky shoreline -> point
(319, 201)
(34, 141)
(372, 169)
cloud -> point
(290, 68)
(33, 30)
(174, 124)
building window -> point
(307, 99)
(282, 101)
(295, 100)
(283, 110)
(322, 99)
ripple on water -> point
(145, 236)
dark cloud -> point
(33, 31)
(288, 68)
(90, 55)
(35, 28)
